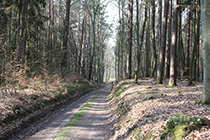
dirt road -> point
(93, 113)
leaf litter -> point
(149, 106)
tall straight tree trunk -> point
(154, 57)
(93, 22)
(66, 34)
(21, 44)
(179, 42)
(172, 79)
(160, 72)
(120, 43)
(198, 46)
(142, 33)
(123, 41)
(205, 22)
(84, 34)
(51, 33)
(194, 36)
(59, 32)
(81, 36)
(194, 51)
(160, 23)
(167, 62)
(147, 46)
(188, 41)
(137, 39)
(130, 28)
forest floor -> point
(85, 118)
(25, 100)
(141, 111)
(131, 111)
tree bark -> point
(167, 62)
(130, 28)
(21, 44)
(172, 80)
(205, 21)
(142, 34)
(66, 34)
(123, 46)
(51, 34)
(137, 40)
(160, 72)
(154, 57)
(93, 22)
(160, 23)
(188, 41)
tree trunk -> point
(167, 62)
(154, 57)
(194, 51)
(188, 41)
(21, 44)
(160, 72)
(172, 80)
(137, 40)
(119, 46)
(130, 28)
(66, 34)
(93, 22)
(84, 35)
(198, 46)
(147, 47)
(123, 42)
(160, 23)
(142, 33)
(205, 20)
(51, 34)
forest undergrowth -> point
(25, 97)
(152, 111)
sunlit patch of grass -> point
(122, 94)
(123, 85)
(148, 87)
(81, 112)
(76, 118)
(137, 133)
(63, 133)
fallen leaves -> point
(25, 97)
(152, 105)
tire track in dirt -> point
(90, 126)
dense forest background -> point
(54, 36)
(166, 40)
(155, 38)
(54, 51)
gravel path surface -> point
(90, 126)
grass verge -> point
(76, 118)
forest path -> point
(90, 125)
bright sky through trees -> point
(112, 13)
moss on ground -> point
(179, 126)
(137, 133)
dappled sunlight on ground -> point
(144, 109)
